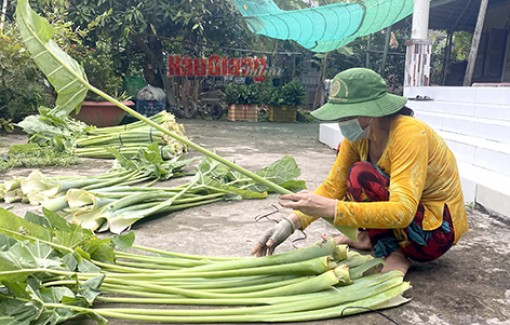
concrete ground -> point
(469, 285)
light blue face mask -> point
(352, 130)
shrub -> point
(251, 94)
(293, 94)
(242, 94)
(22, 85)
(232, 93)
(100, 67)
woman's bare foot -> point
(396, 261)
(363, 242)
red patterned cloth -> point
(367, 183)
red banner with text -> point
(217, 66)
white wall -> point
(475, 123)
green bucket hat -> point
(358, 92)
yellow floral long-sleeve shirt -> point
(421, 169)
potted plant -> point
(283, 102)
(242, 101)
(101, 71)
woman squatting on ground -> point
(394, 179)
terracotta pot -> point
(101, 113)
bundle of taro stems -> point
(53, 271)
(82, 140)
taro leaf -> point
(57, 222)
(90, 289)
(37, 219)
(6, 242)
(25, 255)
(85, 266)
(57, 295)
(280, 172)
(99, 249)
(64, 73)
(216, 176)
(123, 161)
(58, 232)
(71, 235)
(148, 160)
(71, 261)
(48, 130)
(124, 241)
(15, 289)
(214, 169)
(13, 226)
(16, 312)
(212, 177)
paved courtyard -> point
(469, 285)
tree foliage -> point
(22, 88)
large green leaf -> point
(23, 255)
(13, 226)
(63, 72)
(16, 312)
(57, 231)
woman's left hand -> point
(309, 203)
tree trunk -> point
(475, 43)
(320, 90)
(387, 38)
(4, 12)
(154, 71)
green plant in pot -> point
(284, 101)
(293, 94)
(233, 94)
(274, 97)
(243, 101)
(102, 72)
(251, 94)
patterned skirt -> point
(368, 183)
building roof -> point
(456, 15)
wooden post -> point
(419, 47)
(475, 43)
